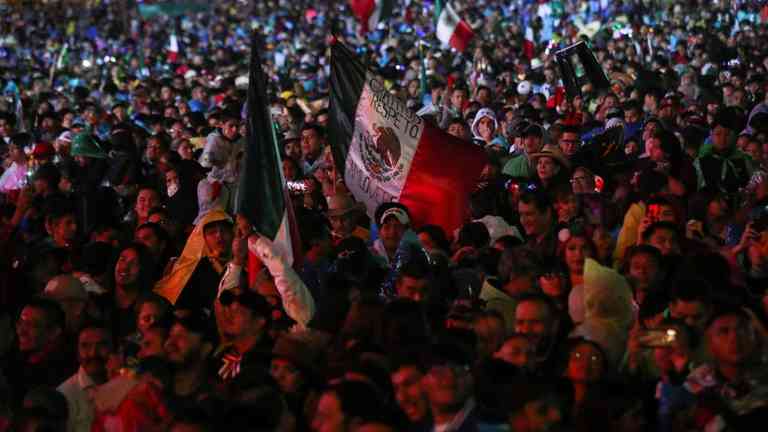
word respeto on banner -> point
(384, 141)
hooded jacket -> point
(500, 301)
(498, 139)
(172, 285)
(608, 313)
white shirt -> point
(77, 389)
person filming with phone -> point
(672, 344)
(669, 348)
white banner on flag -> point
(383, 145)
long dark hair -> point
(146, 279)
(572, 343)
(562, 177)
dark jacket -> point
(49, 369)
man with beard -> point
(188, 347)
(94, 345)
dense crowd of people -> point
(611, 275)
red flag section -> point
(443, 174)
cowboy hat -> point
(341, 204)
(554, 152)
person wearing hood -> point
(192, 282)
(485, 128)
(608, 313)
(180, 180)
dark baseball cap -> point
(248, 299)
(532, 129)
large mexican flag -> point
(388, 153)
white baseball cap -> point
(398, 213)
(524, 88)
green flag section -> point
(262, 196)
(172, 8)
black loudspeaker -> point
(578, 66)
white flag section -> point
(173, 48)
(173, 45)
(283, 241)
(383, 146)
